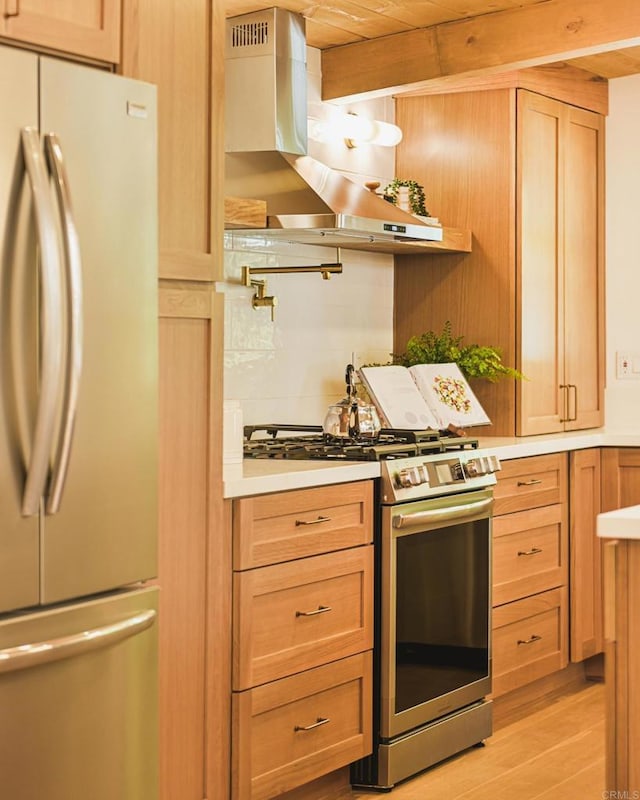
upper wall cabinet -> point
(87, 28)
(560, 265)
(180, 47)
(525, 173)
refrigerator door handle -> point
(73, 275)
(50, 322)
(37, 653)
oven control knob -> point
(471, 468)
(412, 476)
(482, 465)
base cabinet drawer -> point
(294, 616)
(288, 732)
(273, 528)
(531, 482)
(530, 553)
(529, 639)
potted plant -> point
(401, 191)
(475, 361)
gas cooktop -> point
(304, 442)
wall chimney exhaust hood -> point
(266, 148)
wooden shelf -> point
(240, 212)
(454, 240)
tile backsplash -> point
(291, 369)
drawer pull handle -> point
(534, 638)
(312, 521)
(533, 552)
(319, 610)
(532, 482)
(320, 721)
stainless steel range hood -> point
(266, 146)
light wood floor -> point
(555, 753)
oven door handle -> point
(442, 514)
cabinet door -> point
(88, 28)
(585, 576)
(620, 477)
(194, 568)
(179, 47)
(583, 268)
(541, 401)
(560, 255)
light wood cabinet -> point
(525, 174)
(529, 639)
(303, 636)
(622, 664)
(194, 561)
(620, 477)
(585, 571)
(272, 528)
(560, 180)
(525, 483)
(529, 553)
(294, 616)
(294, 730)
(180, 48)
(86, 28)
(530, 571)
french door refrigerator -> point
(78, 432)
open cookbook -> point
(423, 396)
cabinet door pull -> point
(312, 521)
(533, 552)
(319, 721)
(319, 610)
(565, 402)
(575, 402)
(531, 640)
(12, 13)
(531, 482)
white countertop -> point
(259, 476)
(623, 523)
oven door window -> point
(442, 601)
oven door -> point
(435, 608)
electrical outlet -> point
(623, 365)
(627, 365)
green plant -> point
(416, 195)
(475, 361)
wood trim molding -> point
(185, 265)
(557, 30)
(561, 81)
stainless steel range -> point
(432, 649)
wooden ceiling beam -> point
(550, 31)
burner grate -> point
(305, 442)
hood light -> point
(354, 131)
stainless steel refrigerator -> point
(78, 432)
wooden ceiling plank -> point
(355, 18)
(561, 80)
(421, 14)
(321, 35)
(528, 36)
